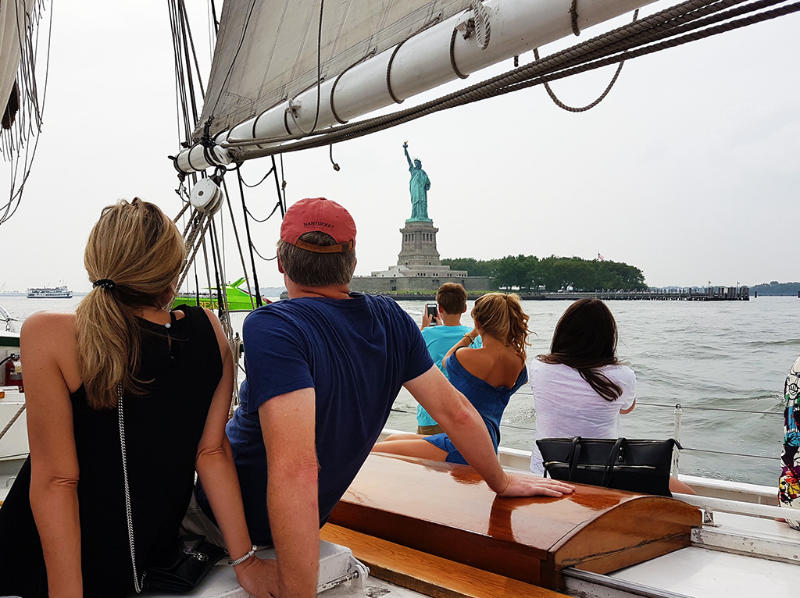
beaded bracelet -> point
(242, 559)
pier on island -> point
(740, 293)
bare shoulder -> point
(218, 331)
(48, 344)
(212, 317)
(477, 362)
(48, 325)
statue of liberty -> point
(418, 186)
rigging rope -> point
(319, 78)
(259, 302)
(264, 178)
(602, 96)
(282, 194)
(266, 259)
(188, 71)
(335, 164)
(267, 217)
(12, 420)
(188, 33)
(238, 242)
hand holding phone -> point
(432, 311)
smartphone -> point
(433, 310)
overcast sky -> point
(689, 169)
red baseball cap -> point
(322, 215)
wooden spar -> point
(419, 64)
(446, 510)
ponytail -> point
(133, 257)
(108, 347)
(501, 316)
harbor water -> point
(724, 363)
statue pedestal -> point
(419, 269)
(419, 245)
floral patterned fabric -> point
(789, 482)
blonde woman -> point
(487, 376)
(64, 522)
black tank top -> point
(163, 428)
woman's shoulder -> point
(470, 361)
(195, 315)
(216, 326)
(541, 368)
(47, 324)
(467, 355)
(619, 372)
(481, 363)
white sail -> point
(14, 18)
(266, 50)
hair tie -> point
(106, 283)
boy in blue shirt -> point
(451, 299)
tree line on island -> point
(777, 288)
(528, 273)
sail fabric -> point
(266, 50)
(13, 29)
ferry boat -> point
(238, 299)
(61, 292)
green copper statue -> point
(419, 185)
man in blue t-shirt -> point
(451, 299)
(323, 370)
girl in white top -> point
(580, 388)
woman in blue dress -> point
(487, 376)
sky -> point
(689, 169)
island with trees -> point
(531, 274)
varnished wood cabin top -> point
(448, 510)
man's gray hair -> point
(316, 269)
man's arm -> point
(466, 429)
(218, 474)
(288, 428)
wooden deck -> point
(446, 510)
(426, 573)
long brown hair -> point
(501, 316)
(138, 253)
(586, 339)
